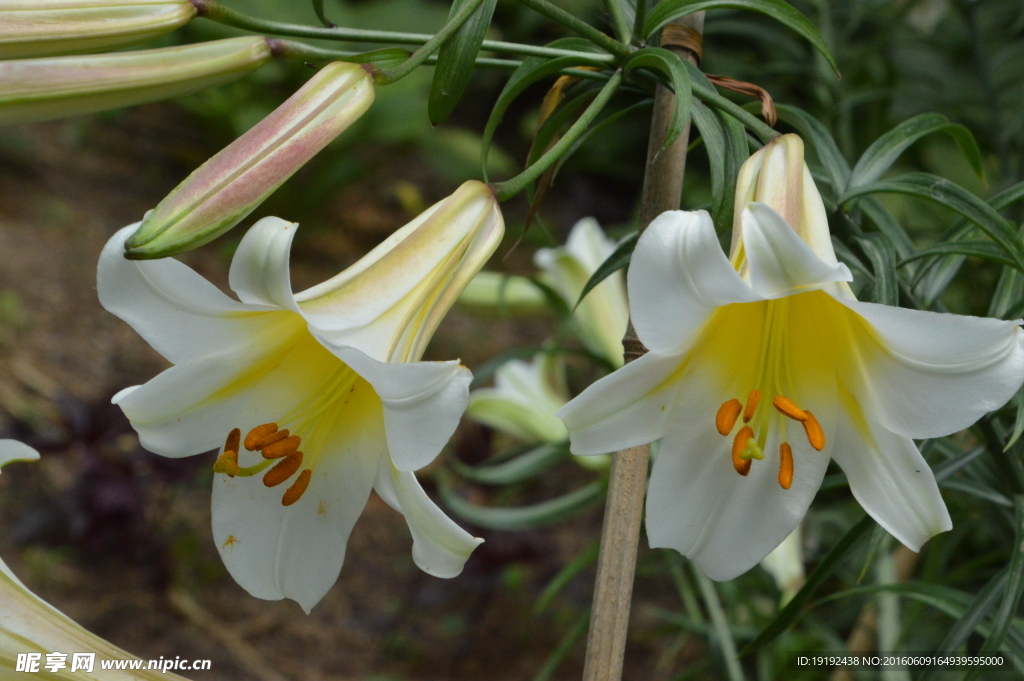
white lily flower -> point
(602, 316)
(28, 624)
(761, 370)
(524, 399)
(332, 369)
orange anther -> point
(785, 466)
(283, 470)
(726, 417)
(297, 489)
(257, 434)
(231, 444)
(742, 466)
(273, 437)
(815, 435)
(753, 399)
(788, 408)
(282, 447)
(227, 463)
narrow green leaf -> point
(581, 562)
(667, 10)
(977, 249)
(948, 469)
(529, 72)
(888, 225)
(882, 255)
(977, 489)
(712, 133)
(559, 120)
(521, 517)
(670, 65)
(616, 261)
(1009, 291)
(1014, 586)
(825, 147)
(719, 624)
(565, 646)
(318, 7)
(597, 127)
(1018, 423)
(955, 197)
(886, 149)
(522, 467)
(456, 59)
(795, 608)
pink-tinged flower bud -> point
(37, 28)
(229, 186)
(61, 87)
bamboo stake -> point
(613, 588)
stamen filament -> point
(815, 433)
(788, 408)
(255, 469)
(298, 488)
(753, 399)
(727, 415)
(785, 466)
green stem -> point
(213, 11)
(509, 188)
(387, 76)
(290, 49)
(638, 22)
(618, 20)
(578, 25)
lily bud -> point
(37, 28)
(229, 186)
(505, 292)
(61, 87)
(777, 175)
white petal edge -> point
(178, 312)
(891, 481)
(423, 403)
(780, 262)
(677, 277)
(928, 374)
(624, 409)
(439, 546)
(12, 450)
(260, 272)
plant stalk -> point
(581, 27)
(620, 535)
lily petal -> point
(677, 277)
(890, 479)
(932, 374)
(179, 313)
(439, 546)
(423, 402)
(275, 551)
(259, 272)
(699, 506)
(780, 262)
(12, 450)
(624, 409)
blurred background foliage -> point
(520, 610)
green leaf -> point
(726, 142)
(667, 10)
(946, 193)
(556, 123)
(889, 226)
(616, 261)
(1018, 423)
(318, 7)
(456, 59)
(882, 255)
(565, 646)
(581, 562)
(719, 624)
(795, 608)
(521, 517)
(529, 72)
(670, 65)
(948, 469)
(825, 147)
(522, 467)
(384, 58)
(1014, 586)
(886, 149)
(976, 249)
(597, 127)
(978, 490)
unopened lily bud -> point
(229, 186)
(37, 28)
(61, 87)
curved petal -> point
(12, 450)
(927, 374)
(889, 478)
(183, 316)
(624, 409)
(698, 505)
(780, 262)
(423, 402)
(677, 277)
(297, 551)
(439, 546)
(259, 271)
